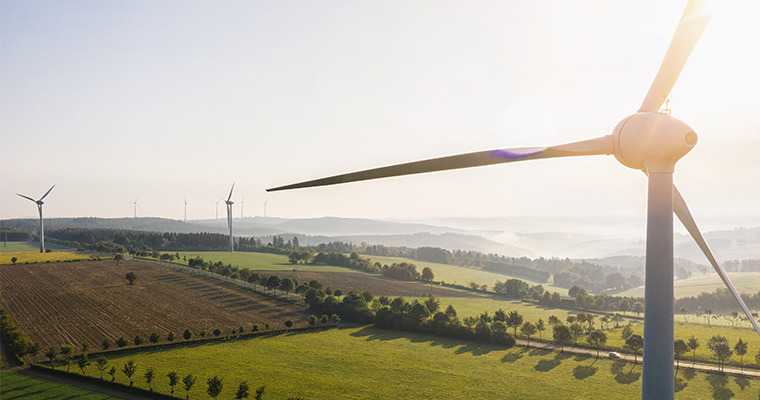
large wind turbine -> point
(229, 217)
(647, 140)
(39, 208)
(134, 203)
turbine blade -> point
(27, 197)
(683, 214)
(231, 189)
(46, 193)
(689, 30)
(597, 146)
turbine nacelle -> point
(652, 142)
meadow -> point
(745, 282)
(24, 257)
(363, 362)
(259, 261)
(29, 246)
(18, 386)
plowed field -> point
(87, 301)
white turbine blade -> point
(597, 146)
(693, 22)
(683, 214)
(27, 197)
(46, 193)
(231, 189)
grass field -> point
(17, 386)
(29, 246)
(461, 275)
(745, 282)
(369, 363)
(37, 257)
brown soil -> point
(378, 286)
(87, 301)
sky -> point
(160, 101)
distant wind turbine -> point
(134, 203)
(184, 198)
(265, 208)
(649, 140)
(229, 217)
(242, 201)
(39, 208)
(217, 207)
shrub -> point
(187, 334)
(170, 336)
(121, 342)
(217, 332)
(313, 320)
(137, 340)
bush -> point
(313, 320)
(170, 336)
(187, 334)
(137, 340)
(217, 332)
(121, 342)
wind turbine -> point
(265, 208)
(648, 140)
(184, 198)
(242, 201)
(217, 207)
(135, 206)
(229, 217)
(39, 208)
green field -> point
(29, 246)
(461, 275)
(36, 256)
(17, 386)
(370, 363)
(745, 282)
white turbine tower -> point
(649, 141)
(134, 203)
(39, 208)
(184, 198)
(242, 201)
(217, 207)
(229, 217)
(265, 208)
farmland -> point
(24, 257)
(745, 282)
(18, 386)
(366, 363)
(75, 302)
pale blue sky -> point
(164, 99)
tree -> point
(554, 321)
(287, 285)
(14, 259)
(170, 336)
(187, 334)
(576, 328)
(741, 349)
(432, 304)
(427, 274)
(624, 305)
(149, 374)
(173, 379)
(540, 327)
(719, 346)
(514, 320)
(101, 363)
(637, 308)
(634, 343)
(273, 282)
(288, 324)
(693, 344)
(626, 332)
(129, 369)
(562, 336)
(679, 348)
(131, 277)
(188, 383)
(118, 258)
(243, 391)
(137, 340)
(154, 337)
(83, 362)
(597, 339)
(51, 354)
(112, 372)
(105, 344)
(528, 330)
(215, 385)
(121, 341)
(66, 354)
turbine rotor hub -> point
(652, 142)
